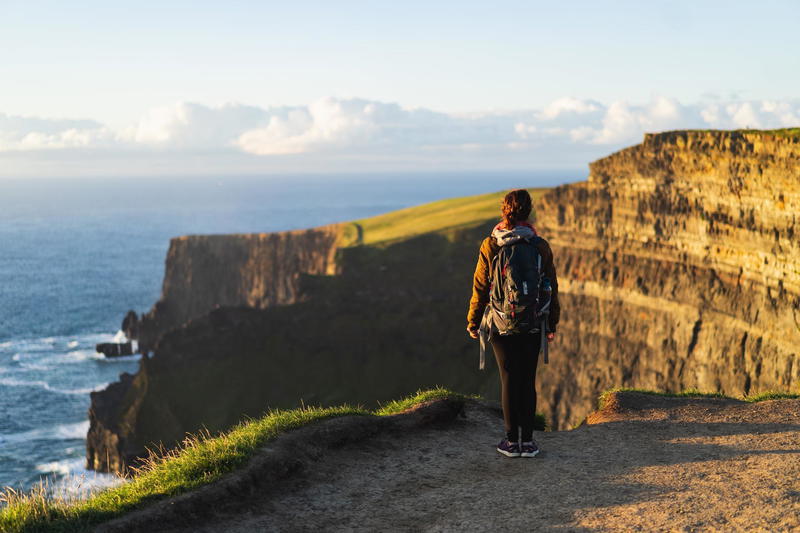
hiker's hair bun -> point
(516, 207)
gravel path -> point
(643, 464)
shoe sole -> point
(508, 454)
(527, 454)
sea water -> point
(77, 254)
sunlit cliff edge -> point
(678, 262)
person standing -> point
(516, 351)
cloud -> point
(27, 133)
(193, 126)
(567, 132)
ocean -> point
(77, 254)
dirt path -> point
(645, 463)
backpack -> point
(519, 295)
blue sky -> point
(113, 67)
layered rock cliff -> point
(678, 262)
(205, 272)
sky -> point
(159, 88)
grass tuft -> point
(201, 459)
(420, 397)
(688, 393)
(771, 395)
(695, 393)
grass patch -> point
(201, 459)
(439, 393)
(695, 393)
(771, 395)
(412, 221)
(688, 393)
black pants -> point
(517, 356)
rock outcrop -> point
(205, 272)
(678, 262)
(114, 349)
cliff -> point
(361, 336)
(679, 262)
(205, 272)
(678, 268)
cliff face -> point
(391, 322)
(204, 272)
(678, 262)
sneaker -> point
(509, 449)
(529, 449)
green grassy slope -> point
(444, 214)
(198, 462)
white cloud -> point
(570, 106)
(194, 126)
(624, 123)
(569, 131)
(27, 133)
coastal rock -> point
(130, 325)
(114, 349)
(106, 451)
(678, 268)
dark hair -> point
(516, 207)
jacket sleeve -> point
(480, 286)
(550, 272)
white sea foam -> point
(86, 390)
(82, 483)
(120, 337)
(72, 481)
(78, 356)
(65, 467)
(35, 366)
(74, 430)
(13, 382)
(121, 358)
(69, 342)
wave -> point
(38, 344)
(65, 467)
(45, 354)
(72, 481)
(75, 356)
(120, 358)
(34, 366)
(71, 431)
(12, 382)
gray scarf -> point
(504, 237)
